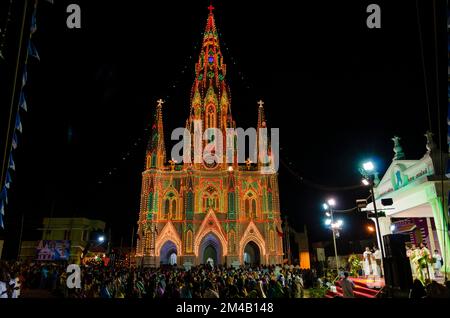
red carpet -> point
(364, 288)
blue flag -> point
(2, 208)
(14, 141)
(23, 102)
(24, 76)
(1, 222)
(8, 180)
(32, 50)
(4, 195)
(33, 26)
(18, 123)
(12, 165)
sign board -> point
(58, 250)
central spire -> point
(210, 100)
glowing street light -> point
(368, 173)
(370, 228)
(334, 226)
(101, 239)
(368, 166)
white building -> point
(418, 189)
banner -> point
(58, 250)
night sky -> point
(337, 90)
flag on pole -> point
(33, 26)
(1, 222)
(4, 195)
(8, 180)
(14, 141)
(18, 123)
(12, 165)
(32, 50)
(23, 102)
(24, 76)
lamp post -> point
(334, 226)
(367, 171)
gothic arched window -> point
(272, 240)
(174, 209)
(189, 241)
(250, 206)
(166, 209)
(231, 241)
(211, 199)
(170, 207)
(247, 208)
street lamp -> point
(368, 172)
(334, 226)
(101, 239)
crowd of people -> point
(98, 281)
(204, 281)
(424, 266)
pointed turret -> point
(261, 116)
(263, 138)
(210, 96)
(156, 150)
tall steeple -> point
(156, 150)
(210, 96)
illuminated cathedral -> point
(198, 213)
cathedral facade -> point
(201, 212)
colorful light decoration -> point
(208, 200)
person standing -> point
(374, 266)
(347, 286)
(438, 262)
(377, 255)
(367, 268)
(410, 254)
(426, 264)
(3, 285)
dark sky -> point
(337, 90)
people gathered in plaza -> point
(99, 281)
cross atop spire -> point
(160, 102)
(261, 103)
(210, 8)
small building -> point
(297, 250)
(419, 190)
(62, 239)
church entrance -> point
(168, 254)
(252, 254)
(210, 250)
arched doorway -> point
(168, 254)
(252, 255)
(210, 250)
